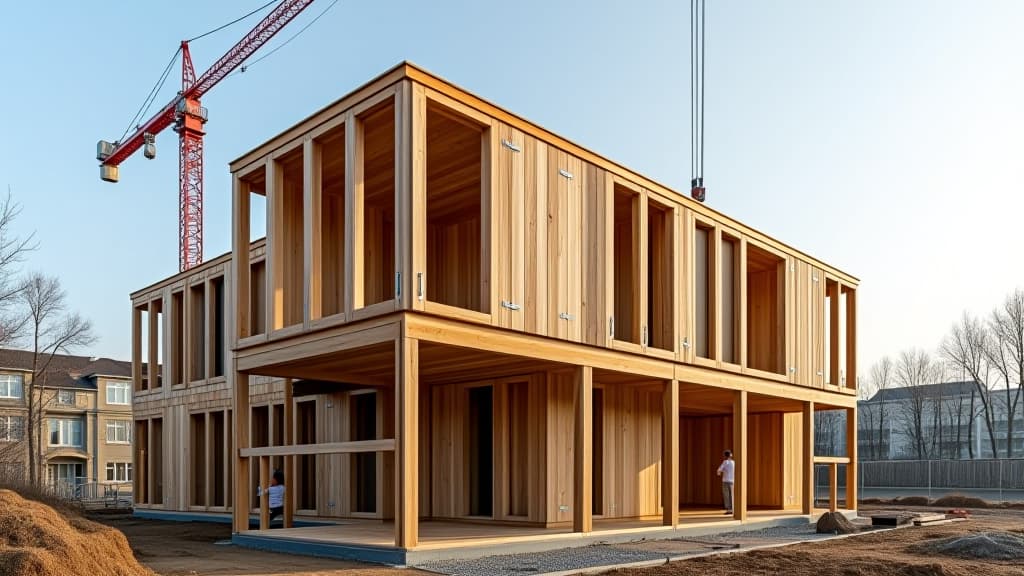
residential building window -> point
(12, 428)
(119, 393)
(66, 397)
(119, 471)
(65, 432)
(10, 386)
(119, 432)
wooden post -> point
(240, 257)
(833, 486)
(208, 460)
(150, 480)
(154, 349)
(832, 292)
(808, 457)
(209, 329)
(265, 494)
(312, 192)
(670, 455)
(851, 452)
(406, 442)
(275, 247)
(289, 461)
(739, 454)
(243, 488)
(582, 512)
(851, 338)
(136, 348)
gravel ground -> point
(612, 554)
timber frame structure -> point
(461, 321)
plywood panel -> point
(792, 451)
(597, 256)
(632, 451)
(509, 204)
(535, 307)
(560, 450)
(765, 460)
(564, 246)
(702, 441)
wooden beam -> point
(312, 192)
(265, 492)
(851, 338)
(240, 411)
(354, 214)
(582, 517)
(833, 486)
(831, 460)
(289, 460)
(153, 348)
(275, 246)
(406, 443)
(851, 453)
(136, 348)
(808, 457)
(353, 447)
(739, 439)
(670, 454)
(240, 257)
(208, 460)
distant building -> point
(952, 423)
(85, 431)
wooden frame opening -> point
(140, 346)
(156, 462)
(331, 149)
(626, 264)
(140, 484)
(455, 202)
(217, 327)
(766, 310)
(198, 463)
(704, 288)
(197, 332)
(305, 479)
(177, 338)
(832, 362)
(277, 434)
(597, 462)
(375, 192)
(729, 294)
(363, 426)
(661, 271)
(287, 250)
(518, 448)
(218, 457)
(258, 297)
(480, 449)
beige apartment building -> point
(85, 433)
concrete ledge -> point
(216, 517)
(392, 556)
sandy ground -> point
(189, 548)
(175, 549)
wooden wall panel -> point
(632, 451)
(597, 256)
(792, 453)
(701, 443)
(509, 248)
(456, 250)
(763, 322)
(448, 478)
(535, 305)
(564, 245)
(765, 460)
(560, 451)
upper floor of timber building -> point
(410, 194)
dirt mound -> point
(981, 546)
(960, 501)
(911, 501)
(37, 540)
(835, 523)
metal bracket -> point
(686, 342)
(643, 336)
(611, 327)
(419, 285)
(510, 305)
(510, 145)
(792, 369)
(566, 316)
(565, 173)
(398, 286)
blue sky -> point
(882, 137)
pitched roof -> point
(945, 389)
(66, 370)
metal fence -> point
(979, 474)
(93, 494)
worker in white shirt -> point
(727, 470)
(275, 493)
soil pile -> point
(35, 539)
(835, 523)
(960, 501)
(982, 546)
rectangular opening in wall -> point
(626, 265)
(217, 456)
(140, 486)
(848, 312)
(831, 332)
(156, 461)
(660, 277)
(377, 126)
(305, 466)
(364, 464)
(229, 469)
(455, 196)
(259, 424)
(258, 297)
(277, 435)
(197, 464)
(288, 225)
(217, 328)
(156, 332)
(730, 294)
(597, 459)
(332, 221)
(142, 383)
(197, 336)
(257, 184)
(519, 457)
(703, 289)
(766, 313)
(480, 434)
(177, 338)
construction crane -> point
(697, 189)
(187, 116)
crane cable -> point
(697, 19)
(233, 22)
(244, 68)
(148, 102)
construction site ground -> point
(174, 548)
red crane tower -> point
(187, 116)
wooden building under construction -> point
(461, 326)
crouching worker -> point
(275, 493)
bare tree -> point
(878, 383)
(966, 347)
(12, 251)
(1005, 351)
(53, 331)
(914, 370)
(866, 412)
